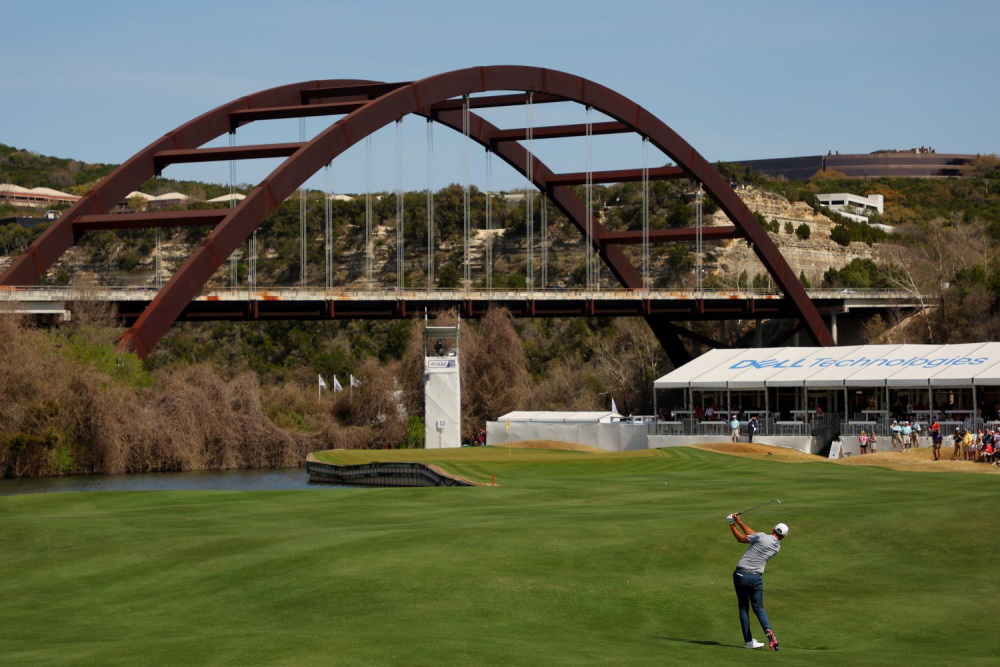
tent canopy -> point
(852, 366)
(559, 417)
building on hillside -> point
(225, 199)
(169, 199)
(911, 163)
(15, 195)
(855, 207)
(341, 197)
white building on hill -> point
(18, 196)
(855, 207)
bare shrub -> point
(495, 371)
(568, 385)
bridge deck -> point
(308, 303)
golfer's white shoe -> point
(753, 643)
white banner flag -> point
(322, 383)
(355, 382)
(336, 384)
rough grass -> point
(919, 460)
(577, 559)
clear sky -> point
(738, 80)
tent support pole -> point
(887, 402)
(729, 403)
(767, 403)
(846, 414)
(974, 406)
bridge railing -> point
(141, 293)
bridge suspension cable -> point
(158, 278)
(589, 203)
(466, 205)
(698, 241)
(645, 213)
(488, 258)
(252, 263)
(430, 204)
(400, 247)
(328, 225)
(303, 275)
(544, 214)
(529, 191)
(234, 275)
(368, 211)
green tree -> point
(802, 231)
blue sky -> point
(98, 81)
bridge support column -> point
(833, 327)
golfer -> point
(748, 577)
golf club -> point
(761, 505)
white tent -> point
(559, 417)
(835, 367)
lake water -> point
(203, 480)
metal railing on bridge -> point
(133, 293)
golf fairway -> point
(573, 559)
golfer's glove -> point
(730, 519)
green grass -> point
(575, 559)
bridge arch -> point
(366, 107)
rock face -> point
(725, 260)
(812, 256)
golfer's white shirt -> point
(762, 548)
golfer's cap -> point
(781, 529)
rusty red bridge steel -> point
(366, 106)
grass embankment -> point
(577, 558)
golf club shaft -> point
(761, 505)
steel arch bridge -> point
(367, 106)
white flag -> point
(355, 382)
(614, 408)
(322, 383)
(336, 384)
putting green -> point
(576, 558)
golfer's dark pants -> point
(750, 592)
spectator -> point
(906, 431)
(957, 454)
(752, 427)
(863, 442)
(897, 434)
(936, 439)
(915, 435)
(734, 425)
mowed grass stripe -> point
(577, 558)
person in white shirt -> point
(748, 578)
